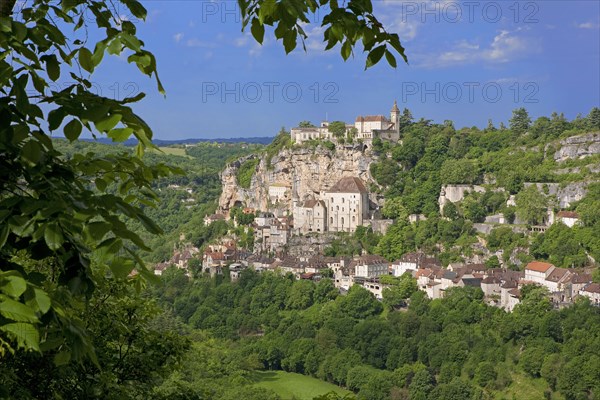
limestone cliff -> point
(576, 147)
(307, 171)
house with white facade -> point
(591, 291)
(278, 192)
(370, 266)
(536, 272)
(569, 218)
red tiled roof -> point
(539, 266)
(592, 288)
(371, 118)
(216, 255)
(557, 274)
(567, 214)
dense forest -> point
(452, 348)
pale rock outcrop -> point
(576, 147)
(456, 193)
(308, 171)
(565, 194)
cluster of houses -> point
(501, 287)
(180, 258)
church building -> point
(342, 208)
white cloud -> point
(255, 50)
(177, 37)
(242, 41)
(505, 46)
(588, 25)
(198, 43)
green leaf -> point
(98, 229)
(120, 134)
(107, 124)
(149, 224)
(289, 41)
(55, 118)
(121, 267)
(52, 67)
(100, 184)
(258, 30)
(62, 358)
(3, 234)
(32, 151)
(390, 58)
(346, 50)
(53, 236)
(267, 9)
(39, 301)
(115, 46)
(85, 59)
(137, 9)
(26, 335)
(374, 56)
(13, 285)
(16, 311)
(73, 130)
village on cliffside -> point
(320, 188)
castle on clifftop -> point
(365, 128)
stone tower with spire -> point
(395, 117)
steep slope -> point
(305, 170)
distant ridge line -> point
(160, 142)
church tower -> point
(395, 117)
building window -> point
(353, 218)
(331, 220)
(343, 199)
(337, 208)
(342, 221)
(332, 199)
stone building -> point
(378, 126)
(310, 216)
(342, 208)
(348, 205)
(367, 128)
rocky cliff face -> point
(578, 147)
(307, 171)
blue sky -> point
(469, 61)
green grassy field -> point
(176, 151)
(288, 385)
(524, 387)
